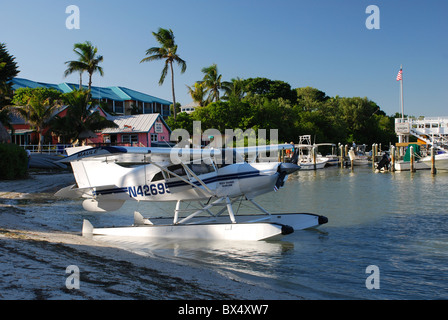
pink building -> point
(141, 130)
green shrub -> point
(13, 161)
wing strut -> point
(197, 178)
(207, 190)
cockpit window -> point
(201, 167)
(227, 157)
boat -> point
(333, 160)
(422, 162)
(307, 163)
(406, 165)
(361, 158)
(441, 161)
(307, 157)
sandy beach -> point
(34, 257)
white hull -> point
(441, 161)
(332, 160)
(406, 166)
(361, 162)
(250, 227)
(310, 165)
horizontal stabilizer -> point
(71, 192)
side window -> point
(201, 167)
(158, 176)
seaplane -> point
(108, 176)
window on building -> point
(119, 107)
(154, 137)
(129, 138)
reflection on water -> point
(397, 221)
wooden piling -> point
(341, 152)
(392, 158)
(433, 161)
(412, 159)
(373, 156)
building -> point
(189, 108)
(119, 100)
(144, 127)
(142, 130)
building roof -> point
(111, 93)
(192, 104)
(135, 95)
(134, 123)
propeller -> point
(283, 170)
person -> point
(288, 152)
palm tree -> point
(88, 61)
(234, 89)
(8, 70)
(168, 52)
(82, 118)
(197, 93)
(37, 107)
(212, 81)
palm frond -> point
(163, 74)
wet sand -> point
(34, 257)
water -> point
(395, 221)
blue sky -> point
(320, 43)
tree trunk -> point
(172, 87)
(90, 81)
(41, 137)
(80, 80)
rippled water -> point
(395, 221)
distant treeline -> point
(261, 103)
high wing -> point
(132, 154)
(164, 155)
(263, 148)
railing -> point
(47, 148)
(432, 130)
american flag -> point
(400, 75)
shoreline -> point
(35, 257)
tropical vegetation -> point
(13, 161)
(88, 61)
(8, 70)
(262, 103)
(82, 118)
(37, 106)
(168, 52)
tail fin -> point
(79, 170)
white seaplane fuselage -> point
(107, 181)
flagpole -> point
(402, 102)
